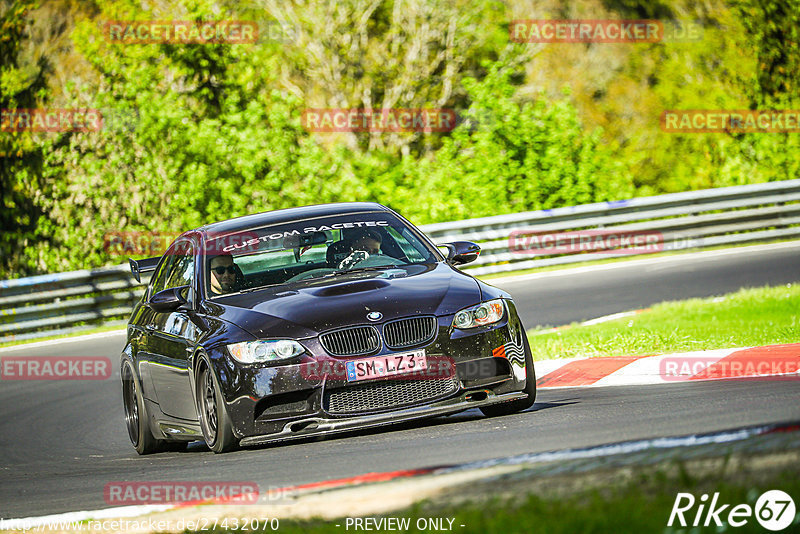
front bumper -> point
(275, 403)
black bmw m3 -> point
(311, 321)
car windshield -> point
(308, 249)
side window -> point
(159, 281)
(177, 269)
(182, 270)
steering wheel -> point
(353, 259)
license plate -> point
(388, 365)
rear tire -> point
(214, 419)
(508, 408)
(136, 415)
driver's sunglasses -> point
(231, 269)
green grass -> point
(749, 317)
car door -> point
(173, 336)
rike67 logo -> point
(774, 510)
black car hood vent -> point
(350, 287)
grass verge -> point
(749, 317)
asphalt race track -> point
(61, 442)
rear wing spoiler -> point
(139, 267)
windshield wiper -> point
(256, 288)
(371, 268)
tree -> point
(773, 35)
(23, 85)
(379, 54)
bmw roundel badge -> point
(374, 316)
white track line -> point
(617, 448)
(51, 342)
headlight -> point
(481, 315)
(265, 351)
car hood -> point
(303, 309)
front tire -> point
(214, 419)
(136, 415)
(508, 408)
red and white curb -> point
(777, 361)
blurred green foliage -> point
(22, 85)
(198, 133)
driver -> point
(365, 244)
(222, 274)
(369, 241)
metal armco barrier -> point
(62, 303)
(66, 302)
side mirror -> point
(168, 300)
(461, 252)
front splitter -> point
(316, 426)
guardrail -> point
(67, 302)
(694, 219)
